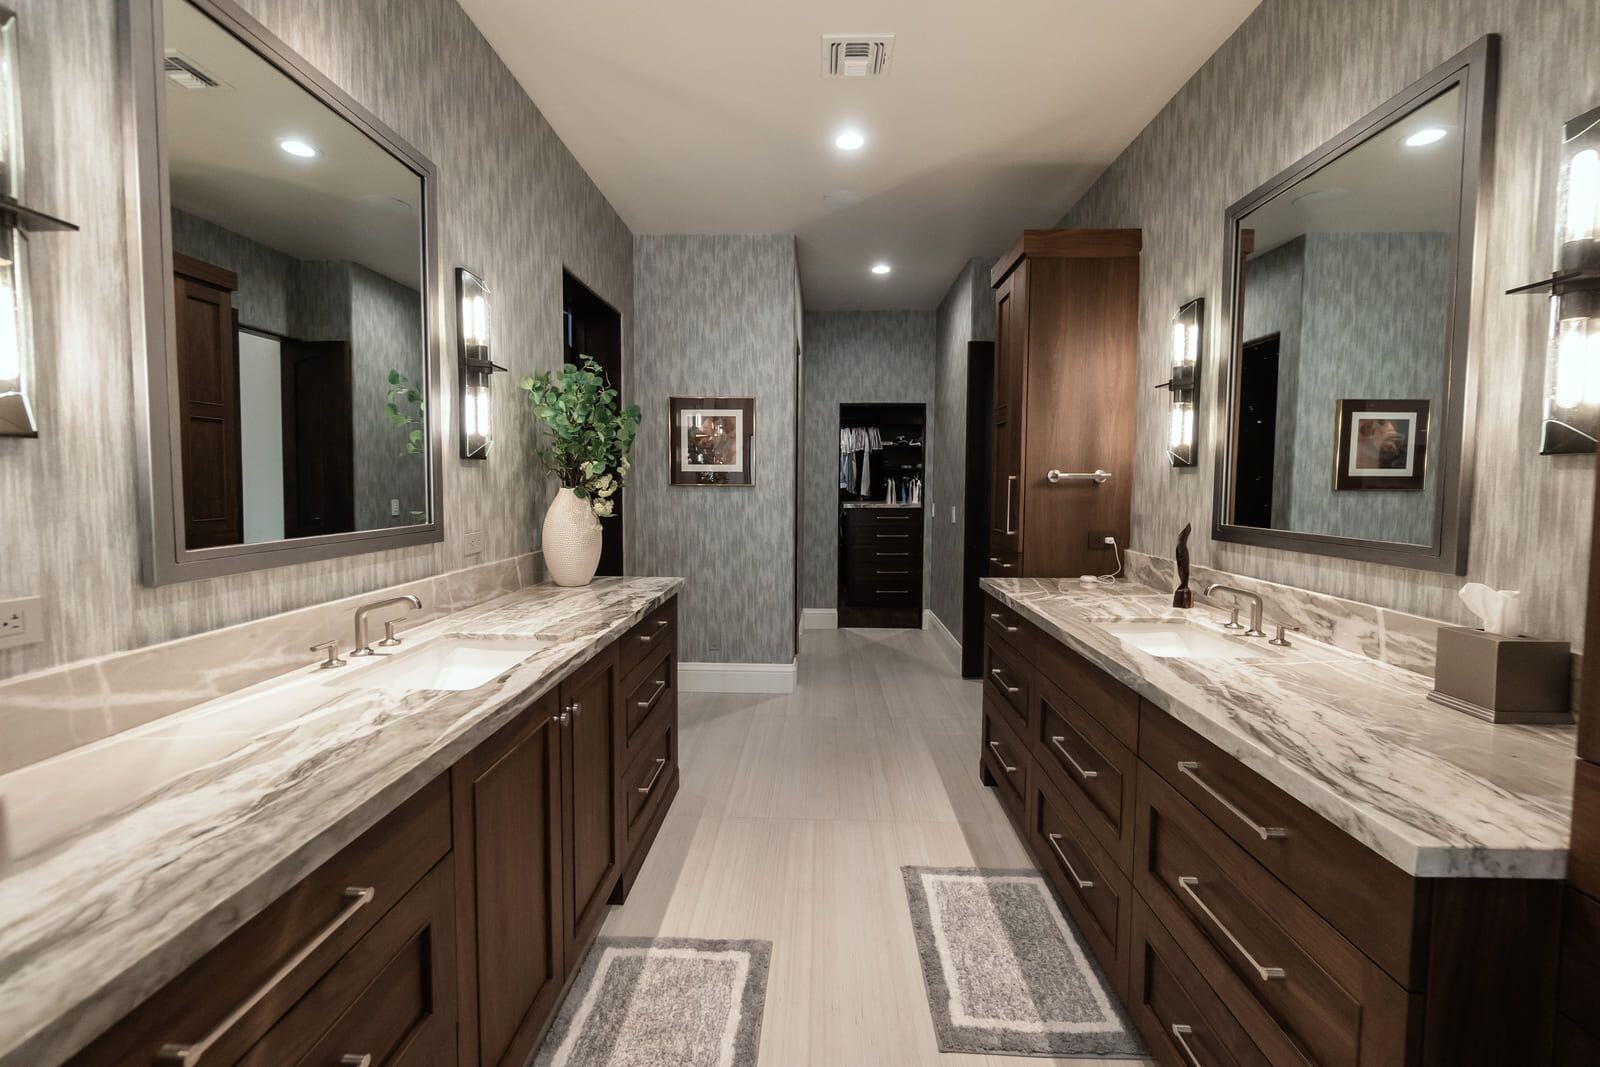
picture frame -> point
(1381, 445)
(711, 440)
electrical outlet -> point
(475, 543)
(394, 508)
(21, 622)
(1100, 540)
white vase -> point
(571, 540)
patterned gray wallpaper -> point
(716, 316)
(514, 205)
(385, 335)
(852, 357)
(1293, 75)
(965, 314)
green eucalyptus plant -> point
(401, 391)
(587, 437)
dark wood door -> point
(979, 468)
(319, 486)
(1010, 364)
(509, 862)
(591, 771)
(208, 403)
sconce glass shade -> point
(16, 410)
(1184, 383)
(1572, 362)
(472, 355)
(1578, 196)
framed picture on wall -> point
(712, 439)
(1381, 445)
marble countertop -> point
(875, 504)
(1437, 793)
(94, 923)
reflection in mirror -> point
(300, 356)
(1342, 341)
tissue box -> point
(1501, 678)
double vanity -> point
(401, 859)
(1278, 853)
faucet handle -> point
(389, 639)
(333, 659)
(1281, 641)
(1233, 622)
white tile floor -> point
(793, 818)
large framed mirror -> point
(288, 378)
(1347, 289)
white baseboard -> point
(947, 640)
(819, 619)
(736, 677)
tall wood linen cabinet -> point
(1066, 371)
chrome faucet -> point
(363, 647)
(1255, 629)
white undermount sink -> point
(1177, 639)
(451, 663)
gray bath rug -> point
(1006, 971)
(647, 1001)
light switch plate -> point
(21, 621)
(475, 543)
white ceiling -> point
(713, 117)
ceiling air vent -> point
(185, 72)
(856, 55)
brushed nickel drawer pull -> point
(1055, 845)
(646, 638)
(891, 590)
(1187, 884)
(894, 553)
(663, 622)
(893, 518)
(894, 537)
(354, 1060)
(1004, 766)
(661, 686)
(1011, 481)
(883, 573)
(1085, 775)
(1007, 686)
(1268, 833)
(356, 897)
(661, 765)
(1001, 619)
(996, 561)
(1180, 1033)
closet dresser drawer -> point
(893, 554)
(907, 537)
(890, 519)
(1315, 859)
(1091, 769)
(1298, 988)
(1094, 889)
(230, 998)
(653, 635)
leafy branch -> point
(587, 437)
(402, 391)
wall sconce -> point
(1572, 360)
(1184, 385)
(472, 347)
(16, 222)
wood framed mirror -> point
(1347, 284)
(287, 366)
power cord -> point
(1111, 579)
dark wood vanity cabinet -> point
(1238, 925)
(1065, 373)
(447, 933)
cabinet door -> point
(508, 811)
(1010, 356)
(591, 770)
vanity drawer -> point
(1181, 1020)
(1005, 758)
(1300, 990)
(654, 693)
(1093, 771)
(1580, 962)
(1108, 700)
(1097, 895)
(316, 922)
(655, 632)
(1370, 901)
(1001, 622)
(391, 998)
(882, 518)
(649, 779)
(1007, 678)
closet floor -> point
(793, 818)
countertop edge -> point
(1371, 828)
(96, 1010)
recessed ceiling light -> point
(849, 140)
(1426, 136)
(297, 148)
(880, 268)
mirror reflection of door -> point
(1257, 440)
(298, 264)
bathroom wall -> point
(965, 314)
(513, 205)
(852, 357)
(1295, 74)
(385, 335)
(716, 316)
